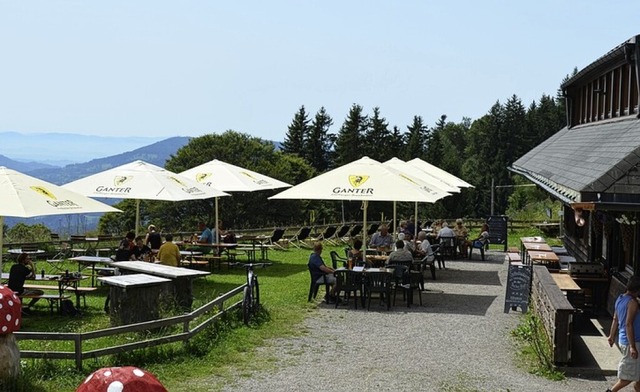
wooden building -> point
(593, 164)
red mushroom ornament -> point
(10, 321)
(121, 379)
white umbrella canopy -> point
(231, 178)
(142, 181)
(437, 187)
(440, 174)
(24, 196)
(365, 179)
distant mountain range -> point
(60, 149)
(156, 153)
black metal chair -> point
(448, 247)
(314, 286)
(412, 281)
(335, 259)
(378, 282)
(348, 281)
(477, 244)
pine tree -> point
(317, 142)
(299, 127)
(350, 137)
(416, 136)
(378, 138)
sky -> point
(192, 67)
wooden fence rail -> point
(555, 312)
(79, 338)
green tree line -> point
(477, 151)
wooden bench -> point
(54, 299)
(206, 261)
(79, 291)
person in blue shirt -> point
(320, 271)
(205, 238)
(626, 327)
(381, 240)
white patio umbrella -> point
(140, 180)
(365, 179)
(437, 187)
(230, 178)
(440, 174)
(24, 196)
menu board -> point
(498, 230)
(518, 287)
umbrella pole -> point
(217, 228)
(395, 225)
(137, 216)
(365, 204)
(415, 226)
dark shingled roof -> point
(592, 162)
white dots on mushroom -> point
(138, 372)
(115, 386)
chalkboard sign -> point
(518, 287)
(498, 230)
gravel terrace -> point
(458, 341)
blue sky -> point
(190, 67)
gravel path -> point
(458, 341)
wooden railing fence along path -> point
(555, 312)
(187, 332)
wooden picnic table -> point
(181, 278)
(92, 260)
(565, 282)
(133, 298)
(540, 257)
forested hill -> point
(157, 153)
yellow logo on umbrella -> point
(200, 177)
(357, 181)
(44, 192)
(119, 180)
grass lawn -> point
(210, 360)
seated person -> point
(221, 230)
(23, 269)
(461, 234)
(320, 271)
(381, 240)
(153, 239)
(125, 248)
(446, 232)
(169, 253)
(355, 253)
(401, 255)
(141, 251)
(483, 238)
(206, 238)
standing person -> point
(125, 249)
(169, 253)
(320, 273)
(23, 269)
(626, 326)
(153, 239)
